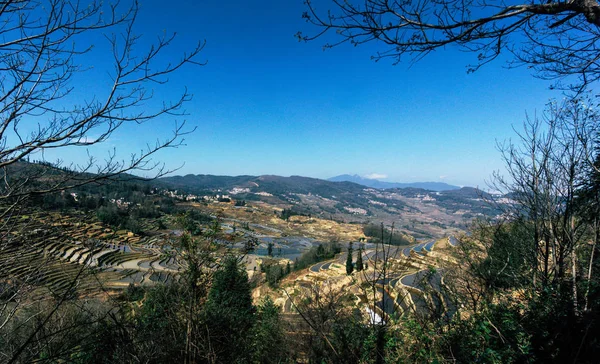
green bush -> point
(375, 234)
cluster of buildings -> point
(191, 197)
(356, 210)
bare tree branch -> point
(556, 38)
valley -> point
(52, 249)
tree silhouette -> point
(349, 265)
(359, 260)
(230, 313)
(556, 38)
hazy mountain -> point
(373, 183)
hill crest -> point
(374, 183)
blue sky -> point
(268, 104)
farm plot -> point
(59, 252)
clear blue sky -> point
(268, 104)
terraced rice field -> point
(418, 288)
(413, 284)
(61, 252)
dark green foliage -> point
(188, 224)
(347, 337)
(8, 290)
(287, 213)
(191, 220)
(121, 218)
(335, 335)
(55, 201)
(274, 272)
(509, 257)
(467, 198)
(269, 342)
(359, 259)
(111, 215)
(250, 245)
(317, 254)
(159, 333)
(146, 209)
(375, 234)
(201, 184)
(133, 224)
(541, 325)
(540, 329)
(92, 196)
(229, 313)
(152, 325)
(349, 264)
(557, 335)
(495, 334)
(133, 293)
(199, 216)
(108, 342)
(270, 249)
(79, 332)
(166, 205)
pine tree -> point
(349, 265)
(229, 313)
(359, 262)
(320, 251)
(269, 338)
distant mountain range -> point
(373, 183)
(416, 209)
(247, 186)
(444, 207)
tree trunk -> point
(574, 281)
(589, 275)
